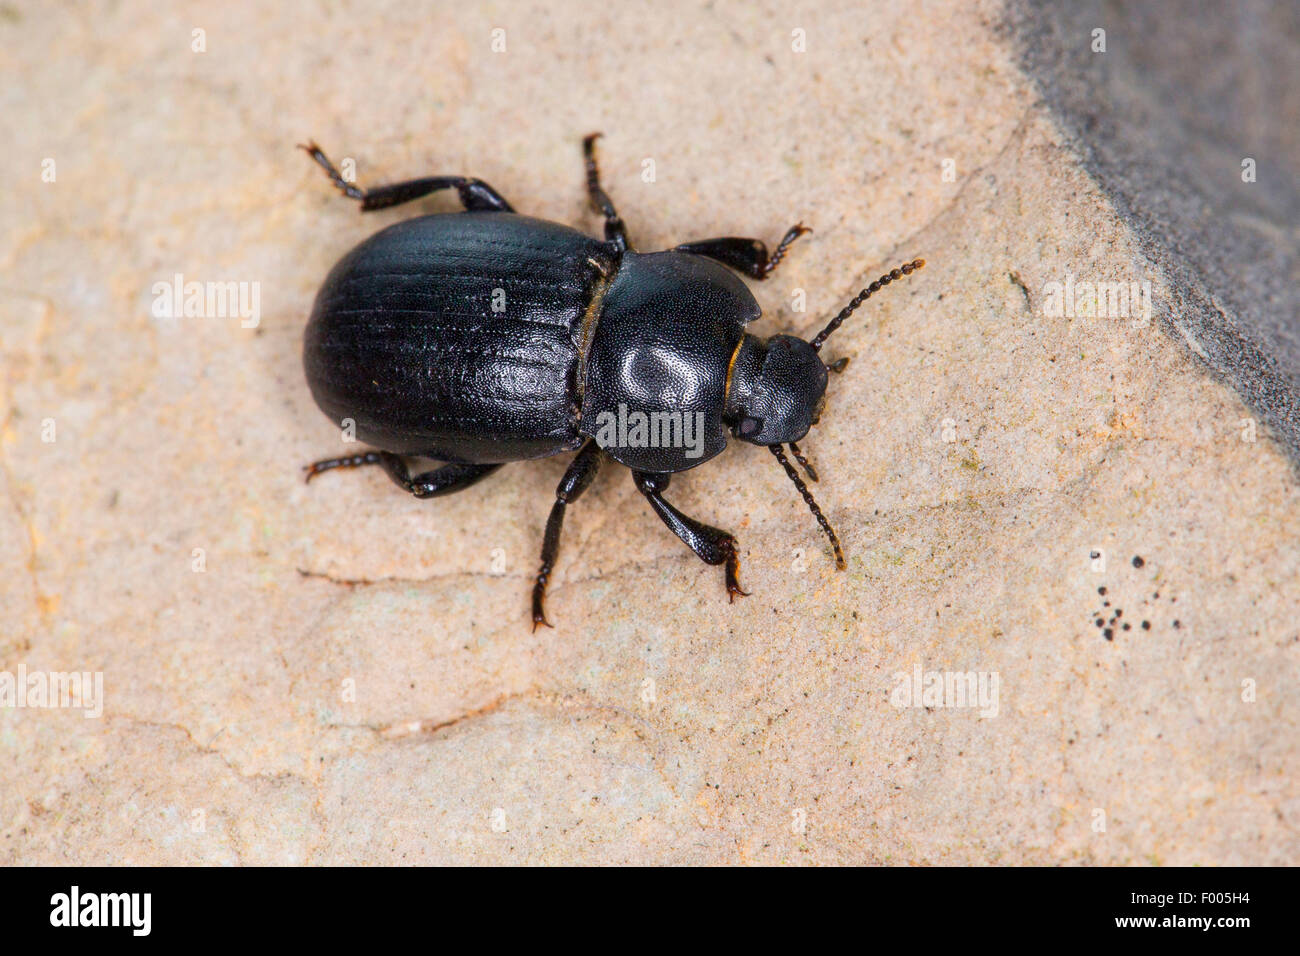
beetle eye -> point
(749, 427)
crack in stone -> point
(645, 731)
(311, 847)
(433, 725)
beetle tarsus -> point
(793, 233)
(350, 461)
(348, 189)
(539, 612)
(615, 230)
(475, 195)
(711, 545)
(430, 484)
(731, 576)
(577, 479)
(747, 256)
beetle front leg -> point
(615, 231)
(582, 470)
(712, 545)
(431, 484)
(475, 195)
(745, 255)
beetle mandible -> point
(484, 337)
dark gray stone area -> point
(1164, 118)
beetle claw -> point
(731, 576)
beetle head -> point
(776, 390)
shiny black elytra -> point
(486, 337)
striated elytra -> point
(484, 337)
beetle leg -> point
(430, 484)
(712, 545)
(582, 470)
(745, 255)
(615, 231)
(475, 195)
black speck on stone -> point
(1127, 627)
(1177, 625)
(1109, 634)
(1137, 561)
(1101, 590)
(1119, 612)
(1105, 604)
(1146, 625)
(1100, 622)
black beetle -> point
(485, 337)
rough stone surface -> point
(1188, 116)
(974, 456)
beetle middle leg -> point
(745, 255)
(712, 545)
(582, 470)
(615, 231)
(430, 484)
(475, 195)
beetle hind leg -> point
(582, 470)
(475, 195)
(711, 545)
(431, 484)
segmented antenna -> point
(904, 270)
(812, 504)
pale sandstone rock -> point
(656, 723)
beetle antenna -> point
(807, 465)
(904, 270)
(812, 504)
